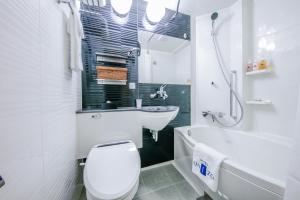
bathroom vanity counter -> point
(125, 109)
(121, 109)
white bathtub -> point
(256, 167)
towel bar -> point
(66, 2)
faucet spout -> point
(160, 93)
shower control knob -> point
(2, 182)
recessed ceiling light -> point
(155, 11)
(121, 7)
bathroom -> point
(149, 99)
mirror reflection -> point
(165, 56)
(164, 59)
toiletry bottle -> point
(249, 66)
(263, 64)
(255, 67)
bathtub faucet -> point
(213, 115)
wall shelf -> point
(259, 102)
(110, 58)
(256, 72)
(111, 82)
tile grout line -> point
(165, 186)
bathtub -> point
(256, 167)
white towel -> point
(75, 30)
(206, 165)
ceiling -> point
(161, 43)
(190, 7)
(198, 7)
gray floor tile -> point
(162, 183)
(155, 179)
(78, 191)
(186, 191)
(142, 188)
(173, 174)
(83, 195)
(169, 193)
(206, 197)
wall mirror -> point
(164, 59)
(165, 56)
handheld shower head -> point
(214, 16)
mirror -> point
(165, 56)
(164, 59)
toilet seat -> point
(112, 171)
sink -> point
(157, 118)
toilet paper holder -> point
(2, 182)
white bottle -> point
(255, 65)
(249, 66)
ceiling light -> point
(155, 11)
(121, 7)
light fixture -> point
(121, 7)
(155, 11)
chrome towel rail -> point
(67, 2)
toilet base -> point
(128, 196)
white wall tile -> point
(229, 38)
(293, 182)
(39, 97)
(277, 25)
(276, 37)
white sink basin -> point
(157, 118)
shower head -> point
(214, 16)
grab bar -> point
(232, 87)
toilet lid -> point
(111, 171)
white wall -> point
(183, 65)
(293, 182)
(160, 69)
(263, 34)
(39, 96)
(229, 37)
(165, 67)
(276, 37)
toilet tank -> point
(103, 127)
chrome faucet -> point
(160, 93)
(213, 115)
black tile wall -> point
(104, 35)
(163, 150)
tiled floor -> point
(162, 183)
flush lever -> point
(2, 182)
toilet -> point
(112, 171)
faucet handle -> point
(205, 113)
(165, 96)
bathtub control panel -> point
(2, 183)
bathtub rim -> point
(257, 178)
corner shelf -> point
(111, 82)
(263, 71)
(259, 102)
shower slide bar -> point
(233, 82)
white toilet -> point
(112, 171)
